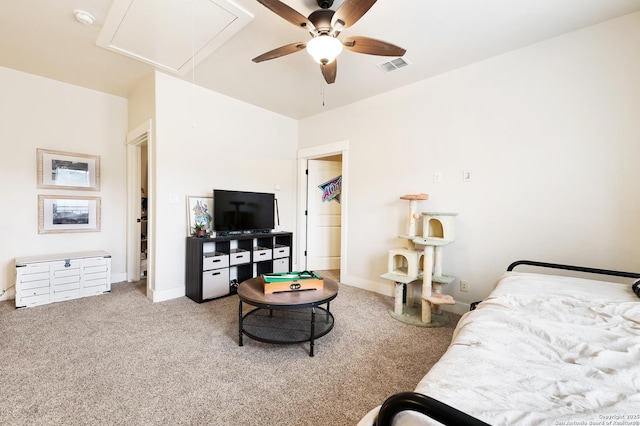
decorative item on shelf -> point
(200, 229)
(198, 211)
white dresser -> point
(57, 277)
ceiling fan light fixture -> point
(324, 49)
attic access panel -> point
(173, 35)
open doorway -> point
(322, 209)
(139, 206)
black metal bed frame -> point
(445, 414)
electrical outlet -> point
(464, 286)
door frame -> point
(135, 139)
(315, 153)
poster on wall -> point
(65, 170)
(65, 213)
(331, 189)
(199, 212)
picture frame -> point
(199, 209)
(68, 213)
(66, 170)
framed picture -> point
(199, 210)
(65, 170)
(68, 213)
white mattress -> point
(543, 350)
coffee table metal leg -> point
(313, 326)
(240, 324)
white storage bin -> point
(215, 260)
(281, 265)
(281, 251)
(50, 278)
(261, 253)
(239, 257)
(215, 283)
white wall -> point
(36, 112)
(204, 140)
(551, 135)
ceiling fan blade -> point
(288, 14)
(280, 51)
(351, 11)
(329, 71)
(371, 46)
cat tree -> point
(421, 262)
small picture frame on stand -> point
(199, 215)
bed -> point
(542, 349)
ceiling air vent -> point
(393, 65)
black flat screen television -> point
(242, 212)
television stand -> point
(214, 266)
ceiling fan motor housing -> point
(321, 20)
(325, 4)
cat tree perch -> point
(421, 261)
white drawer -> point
(94, 281)
(95, 269)
(215, 261)
(74, 285)
(43, 283)
(34, 291)
(87, 279)
(61, 274)
(65, 294)
(239, 256)
(94, 289)
(34, 272)
(38, 299)
(281, 265)
(261, 253)
(66, 280)
(215, 283)
(281, 251)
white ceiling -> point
(42, 37)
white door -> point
(323, 215)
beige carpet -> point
(120, 359)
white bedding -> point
(545, 350)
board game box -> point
(278, 282)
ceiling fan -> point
(325, 25)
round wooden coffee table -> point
(287, 317)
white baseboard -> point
(118, 278)
(10, 294)
(164, 295)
